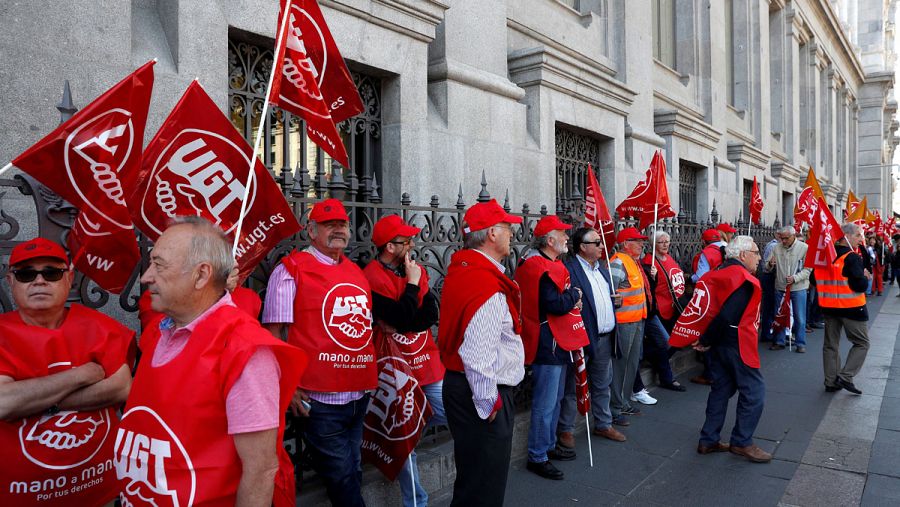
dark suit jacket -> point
(588, 310)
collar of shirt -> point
(586, 264)
(399, 271)
(167, 324)
(324, 259)
(499, 266)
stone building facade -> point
(528, 91)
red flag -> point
(784, 319)
(311, 79)
(756, 203)
(596, 212)
(582, 391)
(807, 201)
(197, 164)
(650, 191)
(824, 231)
(83, 160)
(397, 413)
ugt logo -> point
(196, 172)
(347, 316)
(411, 343)
(698, 306)
(397, 405)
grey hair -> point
(476, 239)
(850, 228)
(208, 244)
(737, 245)
(539, 242)
(788, 229)
(658, 235)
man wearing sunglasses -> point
(63, 374)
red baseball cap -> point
(38, 247)
(329, 209)
(550, 223)
(725, 227)
(711, 235)
(485, 214)
(390, 227)
(629, 233)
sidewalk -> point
(829, 449)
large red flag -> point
(397, 413)
(807, 201)
(582, 391)
(84, 161)
(596, 212)
(824, 231)
(650, 191)
(197, 164)
(784, 319)
(311, 79)
(756, 203)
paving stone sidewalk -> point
(829, 449)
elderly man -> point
(322, 300)
(543, 279)
(599, 301)
(404, 311)
(724, 314)
(842, 288)
(786, 261)
(206, 409)
(631, 283)
(64, 372)
(711, 256)
(480, 346)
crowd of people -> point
(200, 417)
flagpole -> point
(412, 478)
(655, 217)
(262, 126)
(587, 425)
(7, 167)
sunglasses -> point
(599, 242)
(28, 275)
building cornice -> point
(414, 18)
(746, 154)
(684, 125)
(826, 10)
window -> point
(748, 191)
(787, 208)
(687, 191)
(574, 151)
(663, 14)
(571, 3)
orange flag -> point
(808, 201)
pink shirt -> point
(252, 402)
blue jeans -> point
(599, 371)
(730, 375)
(549, 384)
(798, 306)
(334, 433)
(656, 352)
(438, 417)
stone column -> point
(793, 37)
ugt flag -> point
(784, 319)
(198, 164)
(397, 413)
(650, 198)
(311, 79)
(807, 201)
(756, 203)
(824, 231)
(84, 160)
(596, 212)
(582, 392)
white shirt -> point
(606, 316)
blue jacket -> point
(588, 311)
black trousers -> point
(482, 449)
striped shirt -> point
(491, 351)
(606, 315)
(279, 309)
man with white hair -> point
(723, 319)
(786, 261)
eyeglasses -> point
(507, 227)
(28, 275)
(599, 242)
(753, 252)
(404, 243)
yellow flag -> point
(852, 201)
(859, 212)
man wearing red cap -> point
(64, 372)
(631, 283)
(322, 300)
(546, 295)
(404, 311)
(714, 253)
(480, 346)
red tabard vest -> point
(563, 327)
(668, 272)
(713, 256)
(333, 324)
(710, 294)
(64, 459)
(418, 349)
(470, 281)
(173, 445)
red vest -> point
(242, 297)
(470, 281)
(710, 294)
(173, 445)
(563, 327)
(669, 279)
(418, 349)
(67, 458)
(333, 324)
(713, 255)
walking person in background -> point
(875, 248)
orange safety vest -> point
(634, 298)
(834, 291)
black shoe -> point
(832, 389)
(776, 346)
(561, 454)
(674, 386)
(821, 325)
(545, 470)
(632, 411)
(847, 385)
